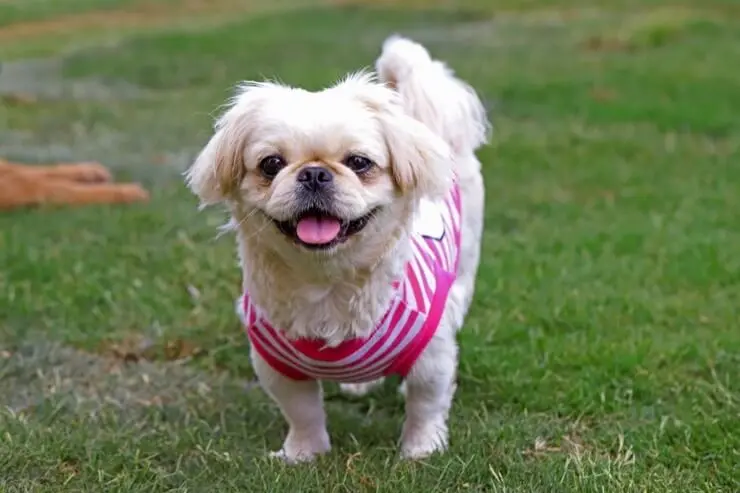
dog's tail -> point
(432, 94)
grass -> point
(602, 352)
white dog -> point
(358, 211)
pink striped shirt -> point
(402, 333)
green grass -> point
(602, 352)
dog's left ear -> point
(421, 160)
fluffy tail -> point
(433, 95)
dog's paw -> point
(129, 192)
(292, 459)
(302, 448)
(421, 440)
(360, 389)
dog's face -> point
(323, 169)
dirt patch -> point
(35, 373)
(28, 81)
(650, 29)
(580, 453)
(138, 348)
(143, 14)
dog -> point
(71, 184)
(358, 213)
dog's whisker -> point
(265, 224)
(233, 225)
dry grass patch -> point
(651, 29)
(142, 15)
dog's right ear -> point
(218, 171)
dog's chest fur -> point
(331, 300)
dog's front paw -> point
(129, 192)
(301, 447)
(360, 389)
(420, 440)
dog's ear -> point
(219, 169)
(421, 160)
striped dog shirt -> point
(404, 330)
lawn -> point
(602, 352)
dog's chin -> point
(316, 229)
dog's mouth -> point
(317, 229)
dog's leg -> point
(301, 403)
(23, 190)
(60, 192)
(430, 387)
(90, 172)
(83, 172)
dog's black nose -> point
(315, 178)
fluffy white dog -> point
(358, 211)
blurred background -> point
(602, 352)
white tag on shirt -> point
(428, 221)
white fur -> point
(421, 127)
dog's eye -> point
(271, 166)
(358, 164)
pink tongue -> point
(317, 230)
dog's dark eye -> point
(271, 166)
(358, 164)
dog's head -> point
(320, 170)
